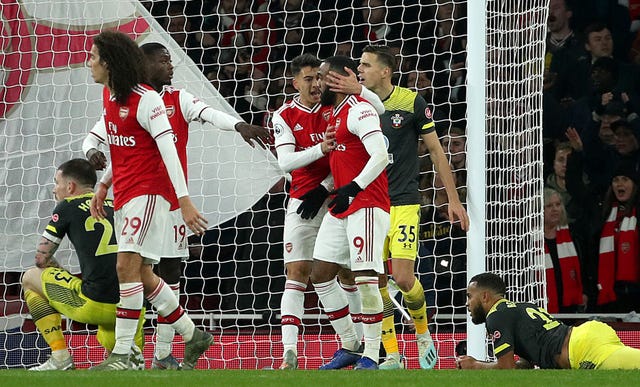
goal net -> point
(235, 55)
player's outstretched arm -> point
(223, 121)
(253, 133)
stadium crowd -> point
(590, 130)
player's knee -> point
(405, 283)
(300, 274)
(31, 278)
(346, 277)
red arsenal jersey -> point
(138, 168)
(182, 108)
(355, 119)
(303, 127)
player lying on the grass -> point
(526, 330)
(50, 290)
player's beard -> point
(327, 97)
(477, 315)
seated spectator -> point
(619, 250)
(563, 251)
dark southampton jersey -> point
(527, 330)
(407, 116)
(94, 242)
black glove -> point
(312, 201)
(344, 197)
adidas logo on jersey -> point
(298, 127)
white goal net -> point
(235, 56)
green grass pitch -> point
(346, 378)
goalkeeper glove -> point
(344, 197)
(312, 201)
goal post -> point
(480, 70)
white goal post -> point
(478, 63)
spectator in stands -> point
(626, 143)
(420, 81)
(296, 25)
(455, 145)
(380, 22)
(449, 60)
(344, 49)
(180, 28)
(557, 179)
(619, 250)
(564, 252)
(51, 291)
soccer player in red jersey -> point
(182, 108)
(352, 232)
(148, 182)
(299, 127)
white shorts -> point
(176, 236)
(300, 234)
(354, 242)
(141, 226)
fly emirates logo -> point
(116, 139)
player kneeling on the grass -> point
(50, 290)
(352, 233)
(526, 330)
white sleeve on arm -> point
(96, 137)
(195, 109)
(364, 122)
(373, 99)
(107, 177)
(152, 116)
(285, 143)
(328, 182)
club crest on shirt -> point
(396, 120)
(170, 110)
(337, 123)
(288, 246)
(496, 335)
(625, 247)
(326, 115)
(428, 113)
(124, 112)
(55, 217)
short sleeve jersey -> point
(138, 168)
(527, 330)
(354, 119)
(303, 127)
(94, 242)
(407, 117)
